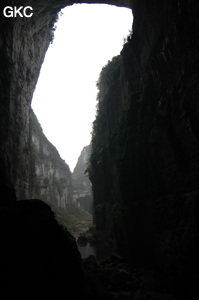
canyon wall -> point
(23, 44)
(50, 176)
(82, 195)
(145, 159)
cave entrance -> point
(86, 37)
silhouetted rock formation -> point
(50, 176)
(39, 259)
(145, 144)
(82, 192)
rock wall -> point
(146, 171)
(102, 167)
(23, 44)
(82, 194)
(50, 176)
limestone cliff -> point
(81, 184)
(144, 165)
(50, 176)
(23, 43)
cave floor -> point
(115, 279)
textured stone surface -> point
(146, 178)
(50, 176)
(23, 44)
(82, 191)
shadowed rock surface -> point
(144, 164)
(39, 259)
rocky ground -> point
(115, 279)
(112, 278)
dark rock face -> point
(38, 258)
(152, 177)
(102, 171)
(82, 193)
(50, 176)
(161, 183)
(145, 177)
(23, 43)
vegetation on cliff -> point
(81, 184)
(51, 179)
(105, 125)
(105, 150)
(50, 175)
(73, 218)
(113, 167)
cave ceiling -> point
(120, 3)
(63, 3)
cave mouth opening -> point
(87, 36)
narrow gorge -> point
(82, 189)
(52, 181)
(144, 164)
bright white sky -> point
(87, 36)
